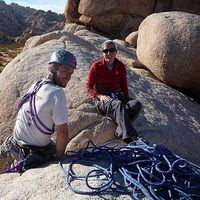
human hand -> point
(104, 98)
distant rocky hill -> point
(4, 39)
(24, 22)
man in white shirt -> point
(42, 111)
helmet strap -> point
(54, 74)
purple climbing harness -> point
(31, 98)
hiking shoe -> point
(5, 158)
(140, 141)
(5, 163)
(137, 141)
(6, 146)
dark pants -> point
(36, 156)
(32, 156)
(123, 112)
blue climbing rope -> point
(139, 171)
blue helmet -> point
(64, 58)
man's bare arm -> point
(61, 140)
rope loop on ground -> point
(138, 170)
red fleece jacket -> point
(100, 78)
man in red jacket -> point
(107, 83)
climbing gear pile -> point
(139, 171)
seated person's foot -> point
(139, 138)
(135, 140)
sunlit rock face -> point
(119, 18)
(168, 117)
(168, 45)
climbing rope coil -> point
(138, 170)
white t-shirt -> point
(51, 108)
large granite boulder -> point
(37, 40)
(162, 106)
(71, 10)
(96, 7)
(119, 18)
(169, 46)
(131, 39)
(168, 117)
(124, 16)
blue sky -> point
(57, 6)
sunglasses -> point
(111, 50)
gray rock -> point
(124, 16)
(169, 46)
(132, 39)
(168, 117)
